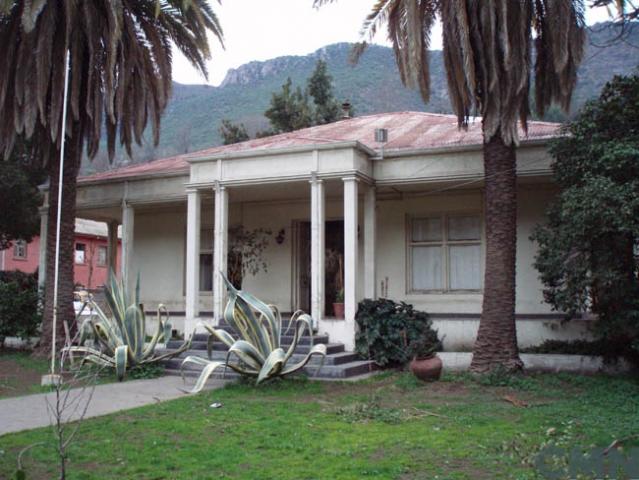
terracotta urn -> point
(338, 310)
(427, 369)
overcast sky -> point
(265, 29)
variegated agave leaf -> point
(258, 351)
(121, 335)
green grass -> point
(390, 427)
(20, 373)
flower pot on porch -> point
(338, 310)
(427, 369)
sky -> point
(265, 29)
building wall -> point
(89, 274)
(159, 252)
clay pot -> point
(338, 310)
(427, 369)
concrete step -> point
(301, 348)
(335, 372)
(284, 339)
(339, 358)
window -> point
(102, 256)
(445, 253)
(206, 260)
(80, 252)
(20, 250)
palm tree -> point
(119, 79)
(488, 57)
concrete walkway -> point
(25, 413)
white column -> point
(220, 250)
(128, 217)
(350, 256)
(112, 246)
(42, 261)
(317, 250)
(370, 231)
(193, 210)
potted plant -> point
(426, 365)
(338, 305)
(335, 266)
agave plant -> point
(120, 337)
(258, 349)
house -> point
(91, 254)
(405, 217)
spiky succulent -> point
(120, 336)
(258, 348)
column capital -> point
(351, 178)
(315, 179)
(218, 186)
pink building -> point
(91, 254)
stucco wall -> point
(160, 248)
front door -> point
(334, 243)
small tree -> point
(233, 132)
(289, 109)
(327, 109)
(245, 256)
(588, 249)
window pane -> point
(102, 255)
(206, 239)
(206, 272)
(465, 267)
(79, 252)
(463, 228)
(427, 229)
(427, 268)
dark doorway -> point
(334, 243)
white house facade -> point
(405, 218)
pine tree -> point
(320, 87)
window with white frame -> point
(102, 256)
(20, 250)
(445, 253)
(80, 253)
(206, 260)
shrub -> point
(20, 314)
(387, 329)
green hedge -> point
(388, 329)
(20, 314)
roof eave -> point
(258, 152)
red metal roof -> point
(406, 131)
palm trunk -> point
(496, 344)
(67, 246)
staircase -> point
(338, 364)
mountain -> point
(193, 116)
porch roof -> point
(407, 131)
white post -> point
(52, 378)
(112, 246)
(42, 261)
(370, 230)
(128, 218)
(192, 261)
(220, 250)
(317, 250)
(350, 256)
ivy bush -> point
(387, 329)
(20, 314)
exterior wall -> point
(90, 274)
(28, 265)
(456, 316)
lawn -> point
(388, 427)
(21, 373)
